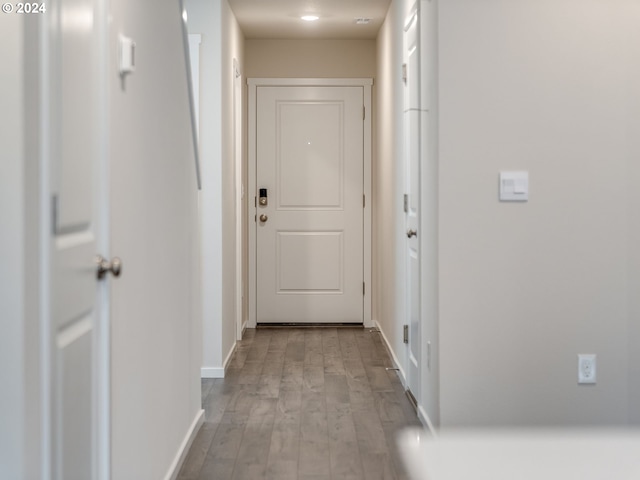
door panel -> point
(310, 150)
(74, 348)
(310, 246)
(301, 270)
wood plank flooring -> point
(302, 404)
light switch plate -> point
(127, 55)
(514, 186)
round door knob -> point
(105, 266)
(263, 218)
(116, 266)
(412, 233)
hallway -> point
(302, 404)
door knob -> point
(412, 233)
(105, 266)
(263, 218)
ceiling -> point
(281, 18)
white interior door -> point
(309, 240)
(412, 119)
(75, 293)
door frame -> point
(239, 192)
(366, 84)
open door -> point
(72, 140)
(412, 148)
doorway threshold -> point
(309, 325)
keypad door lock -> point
(262, 198)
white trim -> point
(366, 84)
(426, 421)
(324, 82)
(244, 328)
(227, 360)
(45, 170)
(396, 362)
(239, 192)
(212, 372)
(102, 184)
(422, 414)
(174, 468)
(195, 39)
(251, 192)
(366, 248)
(219, 372)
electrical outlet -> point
(587, 368)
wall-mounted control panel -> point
(263, 199)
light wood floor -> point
(307, 404)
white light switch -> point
(514, 186)
(127, 55)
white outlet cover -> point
(586, 368)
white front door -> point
(73, 100)
(309, 208)
(412, 144)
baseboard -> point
(218, 372)
(422, 415)
(398, 365)
(426, 421)
(227, 360)
(176, 465)
(212, 372)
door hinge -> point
(255, 218)
(405, 333)
(364, 289)
(364, 112)
(54, 214)
(255, 201)
(364, 201)
(405, 77)
(406, 203)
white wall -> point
(547, 87)
(633, 177)
(222, 41)
(155, 377)
(512, 293)
(20, 402)
(306, 58)
(12, 272)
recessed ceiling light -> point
(362, 21)
(309, 18)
